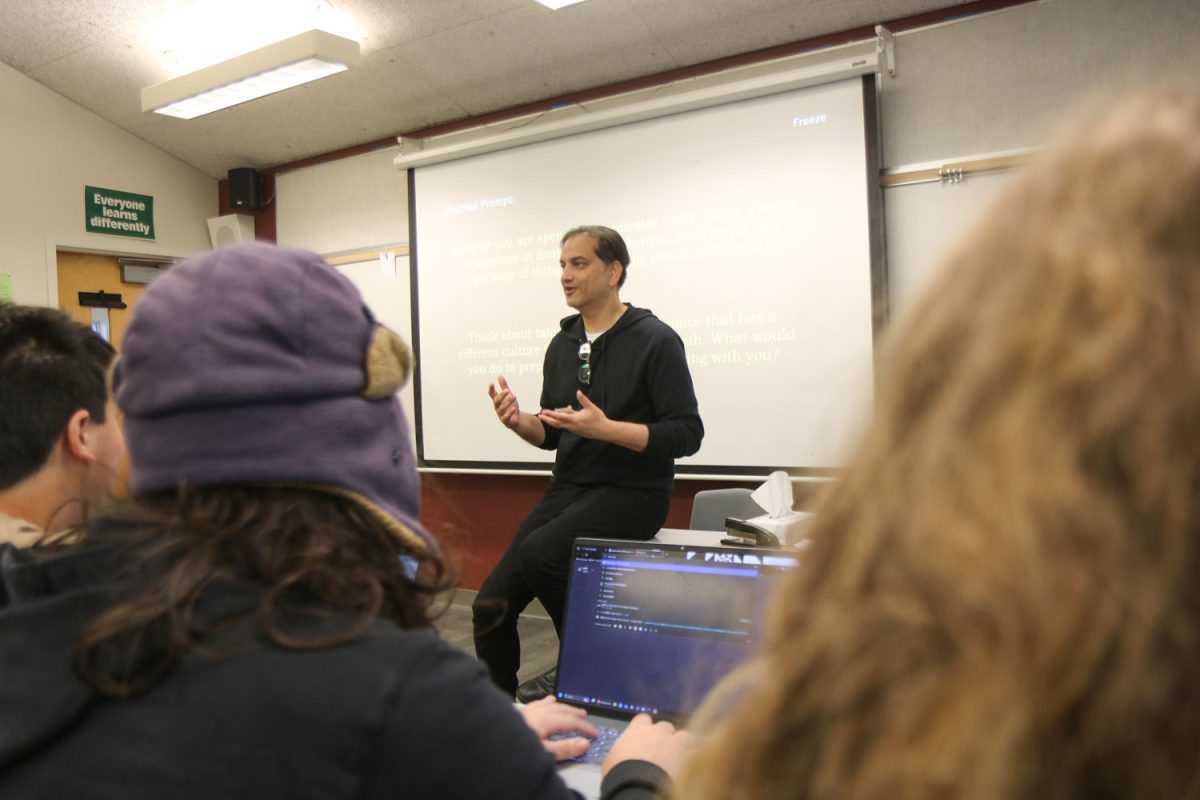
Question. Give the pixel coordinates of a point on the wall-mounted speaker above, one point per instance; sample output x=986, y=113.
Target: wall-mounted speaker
x=245, y=189
x=231, y=228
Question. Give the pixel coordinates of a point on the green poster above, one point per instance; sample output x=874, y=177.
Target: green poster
x=118, y=213
x=5, y=287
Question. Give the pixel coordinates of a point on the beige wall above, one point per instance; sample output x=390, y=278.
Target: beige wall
x=350, y=204
x=50, y=149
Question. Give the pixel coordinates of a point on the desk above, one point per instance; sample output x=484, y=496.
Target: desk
x=709, y=538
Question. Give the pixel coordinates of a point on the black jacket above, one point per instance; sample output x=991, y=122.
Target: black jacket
x=391, y=714
x=639, y=374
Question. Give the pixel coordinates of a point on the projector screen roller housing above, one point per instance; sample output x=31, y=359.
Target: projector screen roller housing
x=752, y=230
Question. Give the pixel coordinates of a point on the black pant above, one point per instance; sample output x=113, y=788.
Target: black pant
x=536, y=562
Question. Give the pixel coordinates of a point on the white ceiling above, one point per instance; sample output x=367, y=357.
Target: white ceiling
x=425, y=62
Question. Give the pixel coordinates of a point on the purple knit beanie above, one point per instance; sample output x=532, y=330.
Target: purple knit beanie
x=257, y=364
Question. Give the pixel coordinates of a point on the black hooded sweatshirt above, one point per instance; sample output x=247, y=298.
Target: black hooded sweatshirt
x=639, y=374
x=392, y=713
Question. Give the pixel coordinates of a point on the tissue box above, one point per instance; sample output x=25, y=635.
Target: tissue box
x=789, y=529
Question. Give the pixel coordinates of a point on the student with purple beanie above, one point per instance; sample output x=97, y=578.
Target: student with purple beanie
x=257, y=622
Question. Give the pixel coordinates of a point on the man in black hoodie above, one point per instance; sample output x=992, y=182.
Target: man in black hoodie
x=618, y=406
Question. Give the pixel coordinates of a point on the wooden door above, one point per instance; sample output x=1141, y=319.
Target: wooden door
x=90, y=272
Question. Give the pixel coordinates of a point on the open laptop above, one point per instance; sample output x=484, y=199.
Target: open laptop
x=653, y=627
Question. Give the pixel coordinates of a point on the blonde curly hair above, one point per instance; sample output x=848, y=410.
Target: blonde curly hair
x=1002, y=598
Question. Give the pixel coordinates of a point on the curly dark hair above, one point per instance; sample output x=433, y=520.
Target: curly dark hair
x=301, y=555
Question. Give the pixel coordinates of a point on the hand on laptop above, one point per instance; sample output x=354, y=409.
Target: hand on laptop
x=548, y=717
x=657, y=742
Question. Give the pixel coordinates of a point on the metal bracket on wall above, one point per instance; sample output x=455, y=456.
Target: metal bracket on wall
x=410, y=146
x=951, y=174
x=885, y=45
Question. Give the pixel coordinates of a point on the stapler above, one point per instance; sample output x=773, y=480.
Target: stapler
x=747, y=534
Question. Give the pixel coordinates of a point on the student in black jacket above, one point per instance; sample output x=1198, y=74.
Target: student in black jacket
x=618, y=408
x=258, y=622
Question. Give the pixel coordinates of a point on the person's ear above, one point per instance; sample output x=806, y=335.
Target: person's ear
x=614, y=274
x=78, y=435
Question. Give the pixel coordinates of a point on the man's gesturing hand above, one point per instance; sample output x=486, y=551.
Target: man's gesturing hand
x=505, y=403
x=589, y=421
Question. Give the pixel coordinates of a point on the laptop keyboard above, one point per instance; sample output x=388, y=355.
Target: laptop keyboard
x=598, y=750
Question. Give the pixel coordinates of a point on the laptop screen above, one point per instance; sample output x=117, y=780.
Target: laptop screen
x=653, y=627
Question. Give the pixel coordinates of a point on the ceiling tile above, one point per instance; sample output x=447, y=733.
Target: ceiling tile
x=534, y=53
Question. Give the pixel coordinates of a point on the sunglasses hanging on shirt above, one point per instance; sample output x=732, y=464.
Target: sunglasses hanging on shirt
x=585, y=369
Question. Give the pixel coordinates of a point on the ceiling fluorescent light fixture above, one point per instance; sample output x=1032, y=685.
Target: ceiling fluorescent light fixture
x=300, y=59
x=557, y=4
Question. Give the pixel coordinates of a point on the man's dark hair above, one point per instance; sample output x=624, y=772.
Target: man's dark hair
x=50, y=367
x=610, y=246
